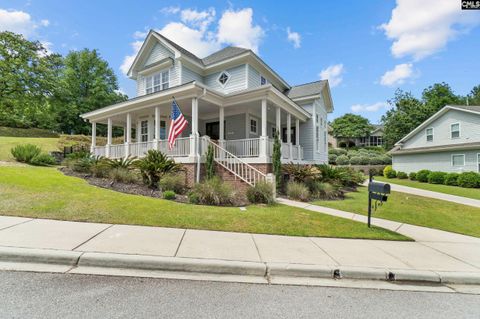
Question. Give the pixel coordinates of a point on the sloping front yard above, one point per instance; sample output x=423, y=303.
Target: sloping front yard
x=47, y=193
x=414, y=210
x=446, y=189
x=47, y=144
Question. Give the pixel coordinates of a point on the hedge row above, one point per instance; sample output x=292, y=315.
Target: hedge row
x=338, y=156
x=465, y=179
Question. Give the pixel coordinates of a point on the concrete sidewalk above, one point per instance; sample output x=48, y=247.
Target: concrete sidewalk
x=86, y=247
x=436, y=195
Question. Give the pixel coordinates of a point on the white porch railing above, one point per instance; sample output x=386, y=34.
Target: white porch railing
x=181, y=148
x=285, y=151
x=117, y=150
x=249, y=147
x=297, y=152
x=99, y=151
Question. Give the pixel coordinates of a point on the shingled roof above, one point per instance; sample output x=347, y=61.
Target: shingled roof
x=306, y=89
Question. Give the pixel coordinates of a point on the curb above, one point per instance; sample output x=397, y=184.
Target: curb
x=74, y=259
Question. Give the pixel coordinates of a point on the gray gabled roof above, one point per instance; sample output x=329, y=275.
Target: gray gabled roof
x=179, y=48
x=223, y=54
x=306, y=89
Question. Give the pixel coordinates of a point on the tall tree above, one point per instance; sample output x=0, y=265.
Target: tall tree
x=438, y=95
x=87, y=83
x=28, y=77
x=351, y=126
x=474, y=96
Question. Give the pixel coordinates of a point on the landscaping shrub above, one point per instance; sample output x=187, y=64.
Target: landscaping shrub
x=343, y=176
x=332, y=158
x=469, y=180
x=210, y=163
x=81, y=165
x=343, y=160
x=422, y=175
x=170, y=195
x=123, y=175
x=25, y=153
x=99, y=167
x=154, y=166
x=298, y=191
x=389, y=172
x=43, y=159
x=212, y=192
x=277, y=160
x=297, y=172
x=326, y=191
x=337, y=151
x=172, y=182
x=402, y=175
x=261, y=193
x=451, y=179
x=437, y=177
x=375, y=160
x=387, y=160
x=359, y=160
x=125, y=163
x=412, y=176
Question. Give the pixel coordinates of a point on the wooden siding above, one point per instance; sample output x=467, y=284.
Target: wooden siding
x=158, y=52
x=253, y=77
x=189, y=76
x=235, y=83
x=438, y=161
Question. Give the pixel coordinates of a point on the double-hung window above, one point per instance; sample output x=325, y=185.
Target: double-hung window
x=144, y=131
x=253, y=126
x=458, y=160
x=455, y=130
x=429, y=133
x=157, y=82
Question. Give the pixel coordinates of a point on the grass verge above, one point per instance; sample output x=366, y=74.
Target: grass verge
x=46, y=193
x=47, y=144
x=415, y=210
x=473, y=193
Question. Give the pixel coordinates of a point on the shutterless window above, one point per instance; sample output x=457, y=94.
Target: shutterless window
x=429, y=132
x=163, y=129
x=253, y=126
x=455, y=130
x=263, y=81
x=144, y=131
x=157, y=82
x=458, y=160
x=223, y=78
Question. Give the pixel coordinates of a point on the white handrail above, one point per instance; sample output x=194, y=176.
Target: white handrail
x=236, y=166
x=248, y=147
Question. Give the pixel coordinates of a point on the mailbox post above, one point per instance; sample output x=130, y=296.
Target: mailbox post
x=376, y=191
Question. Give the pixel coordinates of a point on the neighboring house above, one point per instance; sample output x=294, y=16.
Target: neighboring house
x=232, y=100
x=332, y=141
x=375, y=138
x=449, y=141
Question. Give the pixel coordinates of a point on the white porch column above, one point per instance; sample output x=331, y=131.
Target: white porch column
x=138, y=131
x=289, y=134
x=221, y=119
x=297, y=138
x=157, y=127
x=128, y=135
x=151, y=128
x=109, y=137
x=264, y=136
x=278, y=122
x=94, y=138
x=194, y=135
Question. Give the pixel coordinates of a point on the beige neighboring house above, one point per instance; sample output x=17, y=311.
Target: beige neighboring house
x=375, y=138
x=233, y=101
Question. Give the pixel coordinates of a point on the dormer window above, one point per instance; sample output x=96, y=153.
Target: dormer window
x=223, y=78
x=157, y=82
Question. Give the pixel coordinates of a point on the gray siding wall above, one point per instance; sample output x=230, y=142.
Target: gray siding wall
x=312, y=150
x=189, y=76
x=307, y=135
x=234, y=126
x=236, y=82
x=158, y=52
x=469, y=130
x=253, y=77
x=440, y=161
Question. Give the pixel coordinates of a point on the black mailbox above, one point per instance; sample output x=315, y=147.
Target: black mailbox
x=379, y=188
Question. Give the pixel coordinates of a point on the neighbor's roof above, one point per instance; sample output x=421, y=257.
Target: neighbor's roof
x=465, y=108
x=439, y=148
x=306, y=89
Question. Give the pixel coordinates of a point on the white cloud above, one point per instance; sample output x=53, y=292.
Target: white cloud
x=398, y=75
x=236, y=28
x=19, y=22
x=294, y=37
x=197, y=32
x=358, y=108
x=422, y=28
x=333, y=73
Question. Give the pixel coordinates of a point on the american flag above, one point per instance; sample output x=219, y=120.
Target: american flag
x=177, y=124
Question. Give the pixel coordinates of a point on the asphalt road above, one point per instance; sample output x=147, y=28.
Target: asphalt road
x=41, y=295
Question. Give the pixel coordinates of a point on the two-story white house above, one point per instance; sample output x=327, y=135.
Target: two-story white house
x=449, y=141
x=232, y=100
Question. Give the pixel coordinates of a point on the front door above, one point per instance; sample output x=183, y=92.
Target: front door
x=292, y=135
x=213, y=130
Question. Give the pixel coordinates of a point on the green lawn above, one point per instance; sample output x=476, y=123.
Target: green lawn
x=47, y=193
x=452, y=190
x=7, y=143
x=415, y=210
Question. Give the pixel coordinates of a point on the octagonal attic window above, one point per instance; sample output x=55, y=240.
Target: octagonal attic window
x=223, y=78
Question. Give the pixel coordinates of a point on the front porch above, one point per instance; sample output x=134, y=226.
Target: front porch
x=244, y=124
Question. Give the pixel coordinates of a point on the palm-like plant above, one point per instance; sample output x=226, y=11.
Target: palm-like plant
x=124, y=163
x=154, y=166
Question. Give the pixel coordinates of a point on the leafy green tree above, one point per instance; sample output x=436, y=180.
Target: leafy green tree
x=28, y=78
x=351, y=126
x=87, y=83
x=474, y=96
x=438, y=95
x=277, y=160
x=210, y=163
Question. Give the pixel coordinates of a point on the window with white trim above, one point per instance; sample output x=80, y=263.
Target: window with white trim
x=157, y=82
x=163, y=129
x=253, y=126
x=455, y=130
x=458, y=160
x=144, y=131
x=274, y=131
x=263, y=80
x=429, y=133
x=223, y=78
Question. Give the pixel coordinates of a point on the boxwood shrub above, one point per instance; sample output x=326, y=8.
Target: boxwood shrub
x=389, y=172
x=451, y=179
x=422, y=175
x=437, y=177
x=332, y=158
x=469, y=180
x=402, y=175
x=412, y=176
x=343, y=160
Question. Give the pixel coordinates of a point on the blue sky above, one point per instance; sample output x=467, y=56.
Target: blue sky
x=367, y=49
